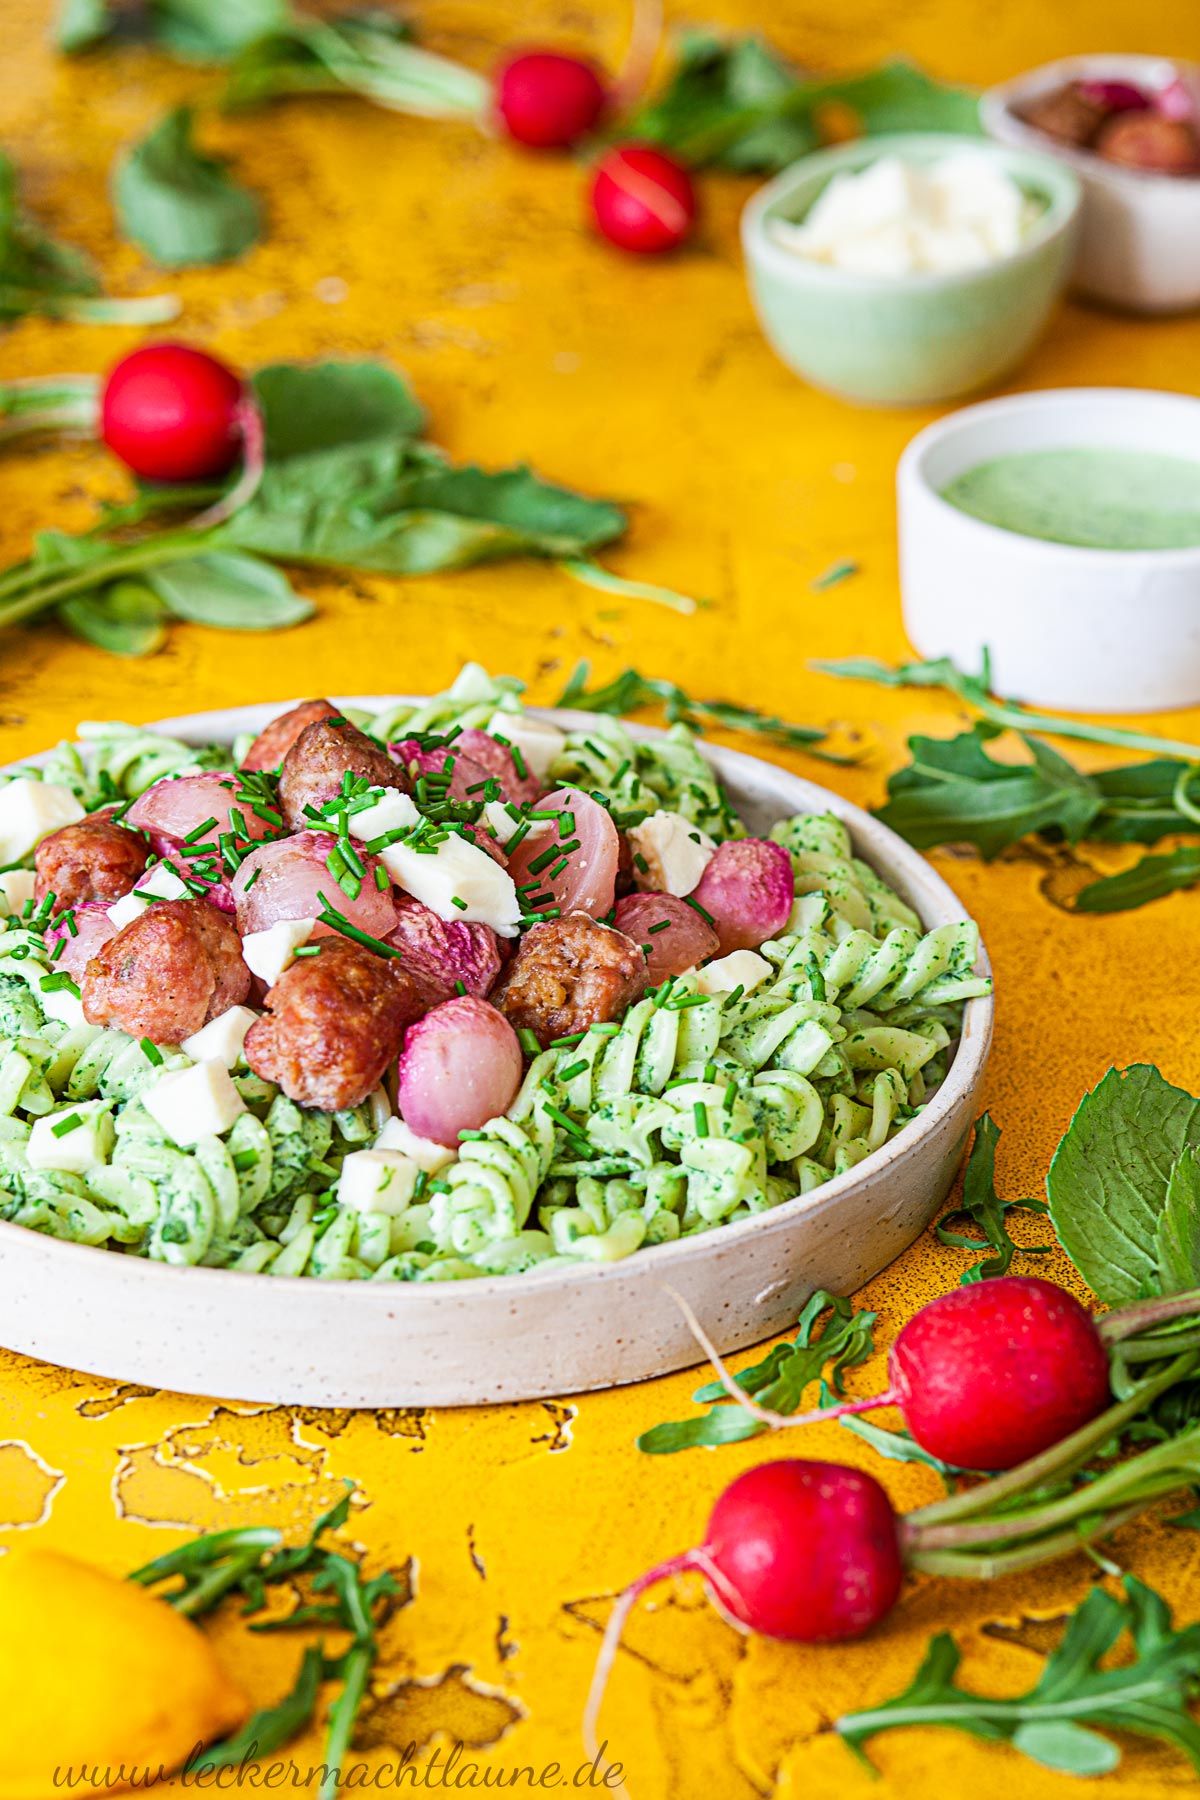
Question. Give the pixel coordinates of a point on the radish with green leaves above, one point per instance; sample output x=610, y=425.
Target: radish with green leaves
x=643, y=200
x=172, y=413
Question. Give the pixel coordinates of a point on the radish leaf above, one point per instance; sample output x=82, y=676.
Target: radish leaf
x=1110, y=1177
x=179, y=205
x=321, y=406
x=125, y=619
x=1052, y=1723
x=1177, y=1241
x=236, y=593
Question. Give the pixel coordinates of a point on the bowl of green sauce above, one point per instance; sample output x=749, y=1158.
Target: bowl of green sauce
x=1060, y=533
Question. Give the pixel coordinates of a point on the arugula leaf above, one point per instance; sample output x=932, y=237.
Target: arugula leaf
x=777, y=1382
x=1053, y=1723
x=233, y=592
x=179, y=205
x=82, y=24
x=213, y=30
x=322, y=406
x=363, y=52
x=1153, y=878
x=735, y=104
x=953, y=792
x=1177, y=1240
x=983, y=1207
x=632, y=690
x=125, y=619
x=1109, y=1179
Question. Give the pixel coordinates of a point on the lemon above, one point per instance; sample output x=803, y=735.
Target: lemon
x=95, y=1670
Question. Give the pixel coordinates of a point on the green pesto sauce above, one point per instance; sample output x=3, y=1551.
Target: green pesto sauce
x=1104, y=499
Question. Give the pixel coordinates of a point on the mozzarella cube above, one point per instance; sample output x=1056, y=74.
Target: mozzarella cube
x=161, y=883
x=458, y=871
x=538, y=742
x=377, y=1181
x=30, y=811
x=17, y=886
x=393, y=811
x=222, y=1039
x=741, y=968
x=497, y=815
x=268, y=953
x=427, y=1155
x=675, y=852
x=61, y=1004
x=194, y=1103
x=86, y=1143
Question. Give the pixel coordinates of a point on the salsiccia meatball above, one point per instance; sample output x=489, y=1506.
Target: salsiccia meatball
x=334, y=1024
x=276, y=739
x=167, y=973
x=1066, y=114
x=568, y=974
x=94, y=860
x=1145, y=140
x=314, y=766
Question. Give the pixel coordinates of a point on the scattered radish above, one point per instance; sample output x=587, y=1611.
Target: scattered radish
x=450, y=773
x=672, y=933
x=572, y=856
x=499, y=761
x=1115, y=96
x=986, y=1376
x=286, y=878
x=747, y=890
x=172, y=810
x=643, y=200
x=461, y=1066
x=548, y=100
x=92, y=929
x=443, y=953
x=172, y=413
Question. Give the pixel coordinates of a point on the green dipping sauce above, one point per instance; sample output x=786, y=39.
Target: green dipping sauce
x=1103, y=499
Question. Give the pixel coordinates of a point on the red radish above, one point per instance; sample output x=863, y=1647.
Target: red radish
x=175, y=414
x=466, y=777
x=747, y=890
x=461, y=1066
x=285, y=879
x=809, y=1552
x=986, y=1376
x=671, y=932
x=548, y=100
x=93, y=928
x=445, y=953
x=571, y=857
x=643, y=200
x=498, y=760
x=172, y=810
x=1114, y=96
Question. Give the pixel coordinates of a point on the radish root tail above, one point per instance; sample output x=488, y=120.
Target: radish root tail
x=764, y=1414
x=627, y=1600
x=250, y=426
x=645, y=35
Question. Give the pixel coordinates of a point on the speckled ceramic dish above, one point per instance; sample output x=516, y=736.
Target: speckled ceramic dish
x=362, y=1343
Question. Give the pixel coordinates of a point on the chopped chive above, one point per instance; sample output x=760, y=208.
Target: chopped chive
x=72, y=1122
x=838, y=571
x=461, y=904
x=151, y=1052
x=421, y=1183
x=567, y=1043
x=244, y=1160
x=307, y=950
x=690, y=900
x=199, y=831
x=528, y=1041
x=382, y=881
x=469, y=1137
x=604, y=1028
x=60, y=983
x=663, y=925
x=700, y=1114
x=733, y=998
x=340, y=923
x=576, y=1068
x=254, y=875
x=640, y=863
x=514, y=751
x=730, y=1097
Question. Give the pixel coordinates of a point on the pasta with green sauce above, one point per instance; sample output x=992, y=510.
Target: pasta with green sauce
x=694, y=1110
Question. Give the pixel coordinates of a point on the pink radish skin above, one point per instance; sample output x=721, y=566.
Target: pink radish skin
x=465, y=772
x=808, y=1552
x=461, y=1066
x=747, y=890
x=687, y=940
x=643, y=200
x=291, y=877
x=588, y=882
x=498, y=760
x=93, y=928
x=172, y=808
x=986, y=1376
x=171, y=413
x=1115, y=96
x=442, y=952
x=548, y=101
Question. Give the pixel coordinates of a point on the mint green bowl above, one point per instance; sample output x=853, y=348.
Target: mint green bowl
x=919, y=338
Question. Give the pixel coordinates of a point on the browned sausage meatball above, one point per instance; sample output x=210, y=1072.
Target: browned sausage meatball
x=1144, y=140
x=276, y=739
x=314, y=766
x=167, y=973
x=94, y=860
x=333, y=1025
x=1065, y=114
x=568, y=974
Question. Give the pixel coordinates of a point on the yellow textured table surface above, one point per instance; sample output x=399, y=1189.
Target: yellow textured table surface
x=469, y=265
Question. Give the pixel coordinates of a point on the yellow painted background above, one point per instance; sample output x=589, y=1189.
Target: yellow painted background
x=469, y=265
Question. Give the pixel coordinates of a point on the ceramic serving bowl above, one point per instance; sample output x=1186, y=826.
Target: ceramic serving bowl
x=1139, y=239
x=1092, y=630
x=365, y=1344
x=921, y=338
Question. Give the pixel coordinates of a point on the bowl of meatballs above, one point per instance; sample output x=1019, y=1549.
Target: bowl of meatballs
x=501, y=1024
x=1129, y=126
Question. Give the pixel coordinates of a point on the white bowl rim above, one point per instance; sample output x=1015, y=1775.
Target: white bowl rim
x=1001, y=101
x=758, y=243
x=913, y=457
x=964, y=1072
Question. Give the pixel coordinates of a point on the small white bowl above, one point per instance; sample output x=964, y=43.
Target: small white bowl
x=1066, y=626
x=1139, y=246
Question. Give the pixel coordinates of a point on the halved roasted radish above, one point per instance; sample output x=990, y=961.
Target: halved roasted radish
x=569, y=858
x=673, y=934
x=461, y=1066
x=747, y=890
x=286, y=879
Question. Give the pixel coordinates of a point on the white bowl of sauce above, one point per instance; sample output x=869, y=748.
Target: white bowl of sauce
x=1060, y=532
